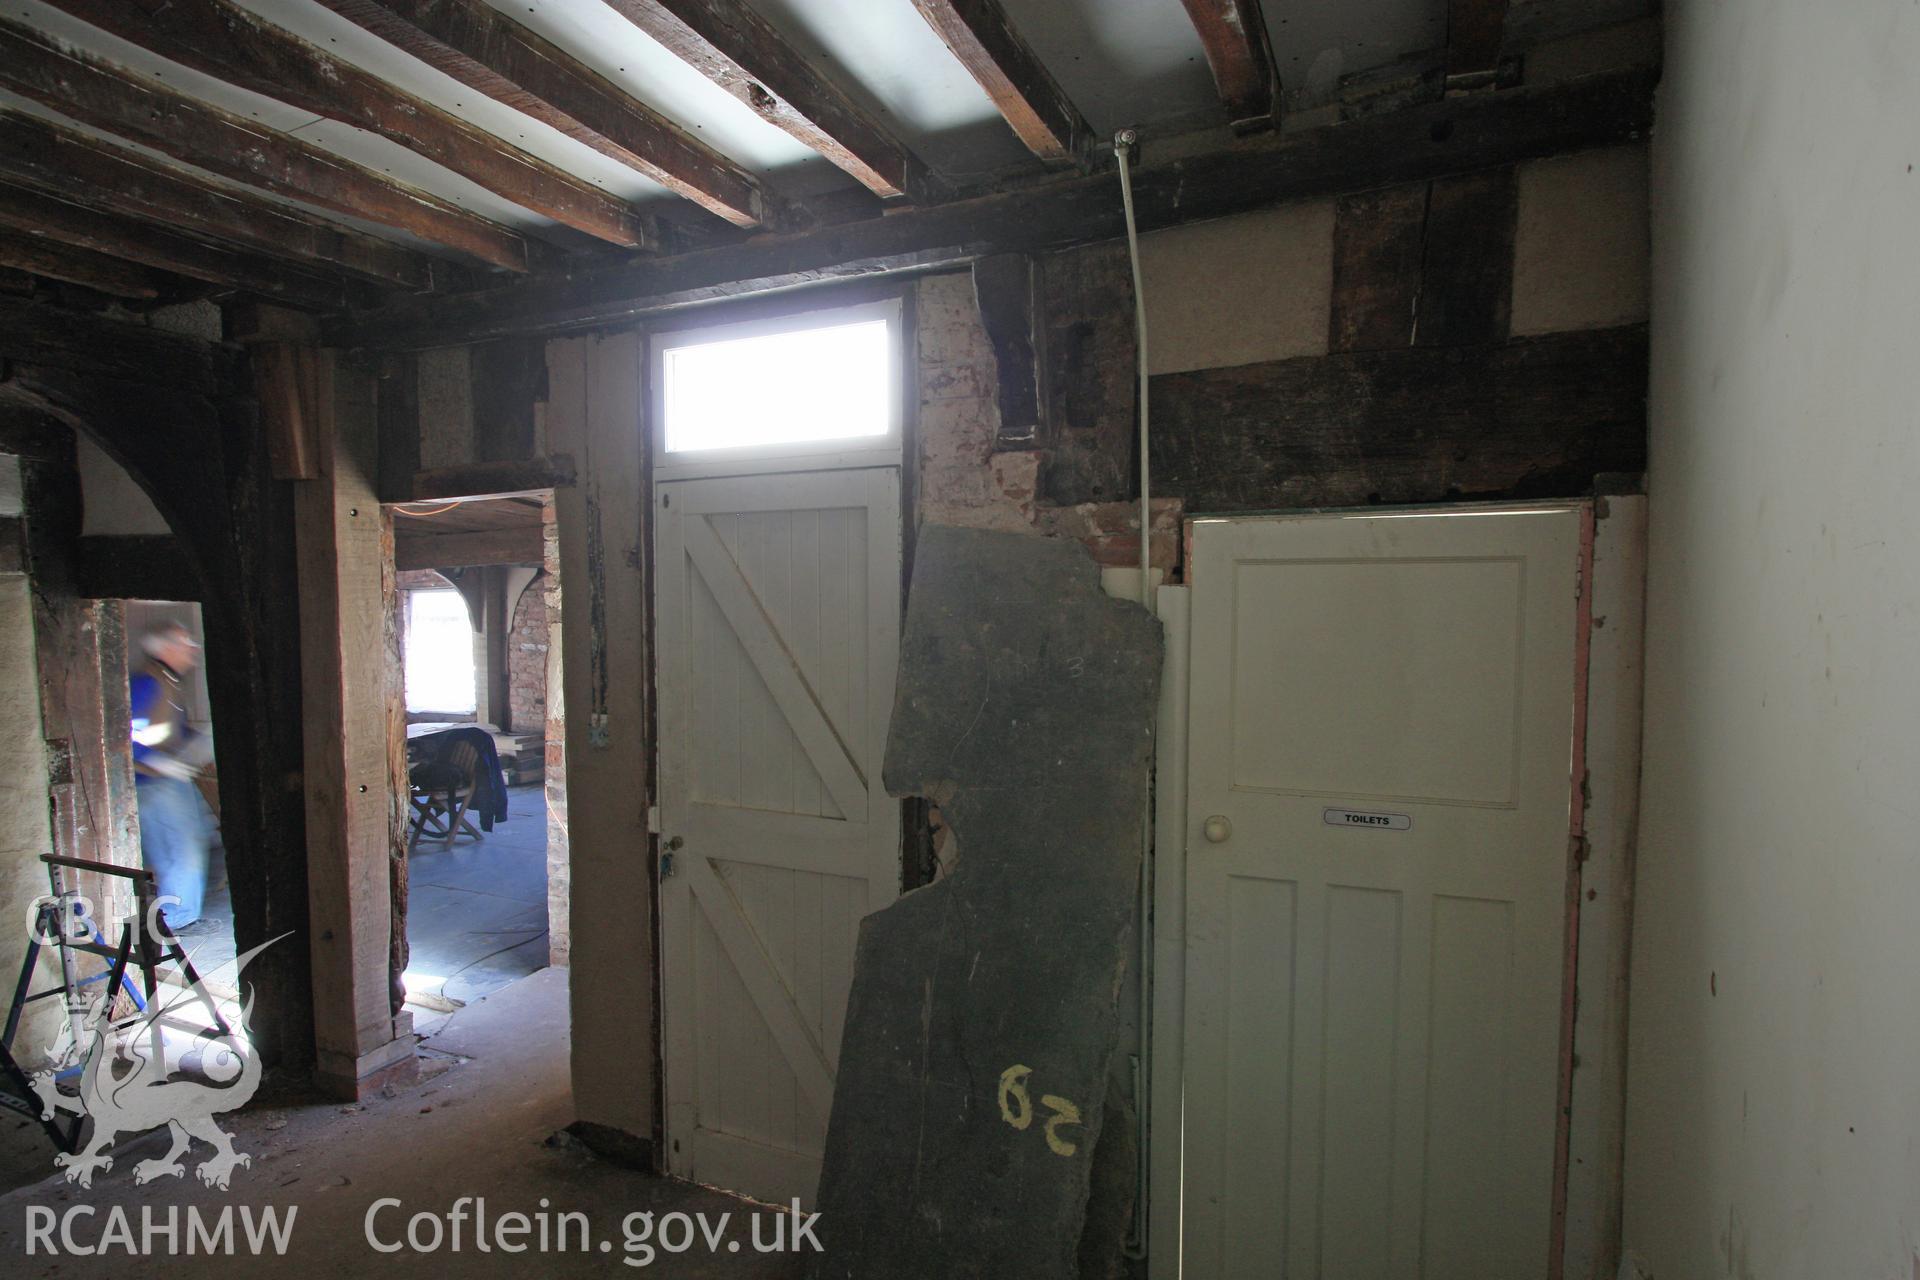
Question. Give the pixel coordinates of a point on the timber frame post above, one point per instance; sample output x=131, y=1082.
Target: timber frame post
x=344, y=546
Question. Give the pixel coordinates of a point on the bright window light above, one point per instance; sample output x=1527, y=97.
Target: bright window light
x=439, y=653
x=827, y=383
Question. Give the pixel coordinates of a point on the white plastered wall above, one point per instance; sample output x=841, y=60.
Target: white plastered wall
x=1773, y=1107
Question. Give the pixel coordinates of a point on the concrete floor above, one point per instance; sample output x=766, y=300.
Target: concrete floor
x=483, y=1126
x=476, y=911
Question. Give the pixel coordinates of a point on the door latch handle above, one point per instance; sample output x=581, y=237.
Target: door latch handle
x=667, y=867
x=1217, y=829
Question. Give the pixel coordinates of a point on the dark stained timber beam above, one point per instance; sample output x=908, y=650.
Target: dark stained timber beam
x=1456, y=135
x=1003, y=286
x=62, y=162
x=145, y=111
x=223, y=40
x=56, y=261
x=518, y=545
x=1533, y=418
x=1234, y=35
x=60, y=222
x=484, y=49
x=978, y=33
x=51, y=345
x=135, y=567
x=1475, y=29
x=737, y=49
x=511, y=478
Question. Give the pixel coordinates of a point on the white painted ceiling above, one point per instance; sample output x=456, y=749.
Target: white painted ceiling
x=1124, y=63
x=1314, y=45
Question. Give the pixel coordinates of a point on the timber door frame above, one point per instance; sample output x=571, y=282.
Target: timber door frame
x=1609, y=645
x=895, y=455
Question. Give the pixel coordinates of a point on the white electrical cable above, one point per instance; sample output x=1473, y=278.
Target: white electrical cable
x=1122, y=142
x=1143, y=1066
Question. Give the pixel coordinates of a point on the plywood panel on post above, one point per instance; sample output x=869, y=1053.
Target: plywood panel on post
x=345, y=579
x=593, y=414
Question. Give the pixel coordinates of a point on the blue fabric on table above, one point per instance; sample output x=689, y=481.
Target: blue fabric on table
x=490, y=798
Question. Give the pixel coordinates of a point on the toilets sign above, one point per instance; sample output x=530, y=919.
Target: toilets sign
x=1360, y=819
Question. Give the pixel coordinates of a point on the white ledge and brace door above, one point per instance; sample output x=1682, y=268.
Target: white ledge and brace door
x=778, y=623
x=1382, y=717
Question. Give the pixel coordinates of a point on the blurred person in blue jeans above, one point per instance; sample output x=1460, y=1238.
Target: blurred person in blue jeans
x=167, y=754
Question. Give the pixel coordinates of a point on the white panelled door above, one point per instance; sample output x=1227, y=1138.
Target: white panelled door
x=778, y=620
x=1381, y=728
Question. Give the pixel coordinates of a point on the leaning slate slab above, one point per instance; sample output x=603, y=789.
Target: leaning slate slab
x=984, y=1010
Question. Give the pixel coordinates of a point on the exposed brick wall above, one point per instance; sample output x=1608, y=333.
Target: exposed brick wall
x=559, y=866
x=527, y=661
x=963, y=481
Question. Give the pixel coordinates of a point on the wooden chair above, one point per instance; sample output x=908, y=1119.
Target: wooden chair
x=442, y=791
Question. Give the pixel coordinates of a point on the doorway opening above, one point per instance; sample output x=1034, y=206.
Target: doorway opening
x=483, y=895
x=778, y=545
x=111, y=711
x=209, y=937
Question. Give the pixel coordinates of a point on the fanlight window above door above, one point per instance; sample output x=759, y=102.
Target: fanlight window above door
x=821, y=388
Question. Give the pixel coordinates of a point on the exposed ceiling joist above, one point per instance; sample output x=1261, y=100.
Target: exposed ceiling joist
x=1038, y=109
x=1234, y=35
x=488, y=51
x=61, y=222
x=56, y=261
x=1456, y=135
x=221, y=39
x=741, y=52
x=64, y=163
x=108, y=98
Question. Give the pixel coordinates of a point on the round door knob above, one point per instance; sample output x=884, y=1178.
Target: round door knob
x=1217, y=828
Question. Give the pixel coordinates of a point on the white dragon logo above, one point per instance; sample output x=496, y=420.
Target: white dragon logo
x=148, y=1095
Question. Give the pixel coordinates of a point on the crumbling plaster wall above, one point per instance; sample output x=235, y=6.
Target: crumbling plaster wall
x=24, y=833
x=1248, y=291
x=1773, y=1125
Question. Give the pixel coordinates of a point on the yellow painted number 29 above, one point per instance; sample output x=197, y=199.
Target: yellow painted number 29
x=1016, y=1108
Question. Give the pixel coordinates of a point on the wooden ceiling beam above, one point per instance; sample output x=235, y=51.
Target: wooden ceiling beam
x=978, y=33
x=740, y=51
x=145, y=111
x=55, y=261
x=1234, y=35
x=484, y=49
x=61, y=222
x=223, y=40
x=62, y=162
x=1455, y=135
x=415, y=548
